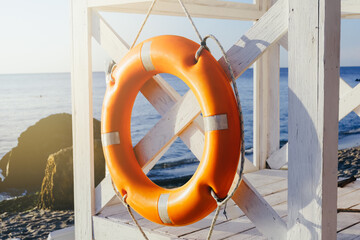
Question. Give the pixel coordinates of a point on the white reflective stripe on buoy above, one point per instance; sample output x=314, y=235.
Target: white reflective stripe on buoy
x=216, y=122
x=146, y=57
x=162, y=208
x=110, y=138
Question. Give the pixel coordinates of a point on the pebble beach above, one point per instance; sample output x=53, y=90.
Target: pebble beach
x=33, y=224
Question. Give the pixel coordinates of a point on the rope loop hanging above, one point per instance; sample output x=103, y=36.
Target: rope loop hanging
x=149, y=12
x=220, y=202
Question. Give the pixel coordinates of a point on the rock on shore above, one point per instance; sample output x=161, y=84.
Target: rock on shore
x=24, y=166
x=57, y=190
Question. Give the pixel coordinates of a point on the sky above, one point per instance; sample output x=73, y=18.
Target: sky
x=35, y=35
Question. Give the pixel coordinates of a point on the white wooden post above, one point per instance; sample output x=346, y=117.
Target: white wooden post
x=314, y=36
x=266, y=122
x=82, y=125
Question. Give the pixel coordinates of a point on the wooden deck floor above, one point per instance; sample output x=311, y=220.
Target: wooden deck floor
x=272, y=184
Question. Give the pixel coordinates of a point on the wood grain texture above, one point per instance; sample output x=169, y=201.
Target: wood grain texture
x=166, y=130
x=350, y=9
x=108, y=229
x=82, y=120
x=197, y=8
x=279, y=158
x=314, y=37
x=267, y=221
x=349, y=99
x=266, y=118
x=263, y=34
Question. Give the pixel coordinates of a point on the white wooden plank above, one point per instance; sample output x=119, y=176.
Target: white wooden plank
x=279, y=158
x=106, y=229
x=346, y=219
x=104, y=194
x=314, y=36
x=349, y=102
x=229, y=228
x=167, y=129
x=284, y=41
x=266, y=118
x=266, y=176
x=63, y=234
x=233, y=212
x=198, y=8
x=273, y=188
x=108, y=38
x=248, y=235
x=349, y=200
x=267, y=221
x=266, y=32
x=346, y=89
x=224, y=230
x=350, y=9
x=351, y=233
x=82, y=120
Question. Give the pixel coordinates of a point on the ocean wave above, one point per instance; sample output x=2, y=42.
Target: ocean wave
x=2, y=176
x=352, y=131
x=249, y=151
x=11, y=195
x=175, y=164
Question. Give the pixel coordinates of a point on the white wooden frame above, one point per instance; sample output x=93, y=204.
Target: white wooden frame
x=261, y=40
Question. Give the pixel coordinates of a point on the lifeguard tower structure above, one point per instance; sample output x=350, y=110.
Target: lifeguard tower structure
x=298, y=203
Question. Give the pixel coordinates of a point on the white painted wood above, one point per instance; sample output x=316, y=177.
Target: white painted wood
x=278, y=158
x=349, y=97
x=344, y=88
x=346, y=219
x=314, y=37
x=104, y=194
x=82, y=120
x=349, y=200
x=105, y=229
x=349, y=101
x=63, y=234
x=284, y=41
x=267, y=221
x=266, y=181
x=167, y=129
x=350, y=9
x=351, y=233
x=107, y=38
x=197, y=8
x=266, y=32
x=266, y=118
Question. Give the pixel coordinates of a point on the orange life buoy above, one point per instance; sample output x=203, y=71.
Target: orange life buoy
x=208, y=81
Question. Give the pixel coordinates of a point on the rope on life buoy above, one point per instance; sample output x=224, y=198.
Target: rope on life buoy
x=220, y=202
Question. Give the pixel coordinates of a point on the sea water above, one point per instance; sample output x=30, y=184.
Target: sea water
x=26, y=98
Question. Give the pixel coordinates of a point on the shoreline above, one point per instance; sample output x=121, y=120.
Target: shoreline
x=37, y=223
